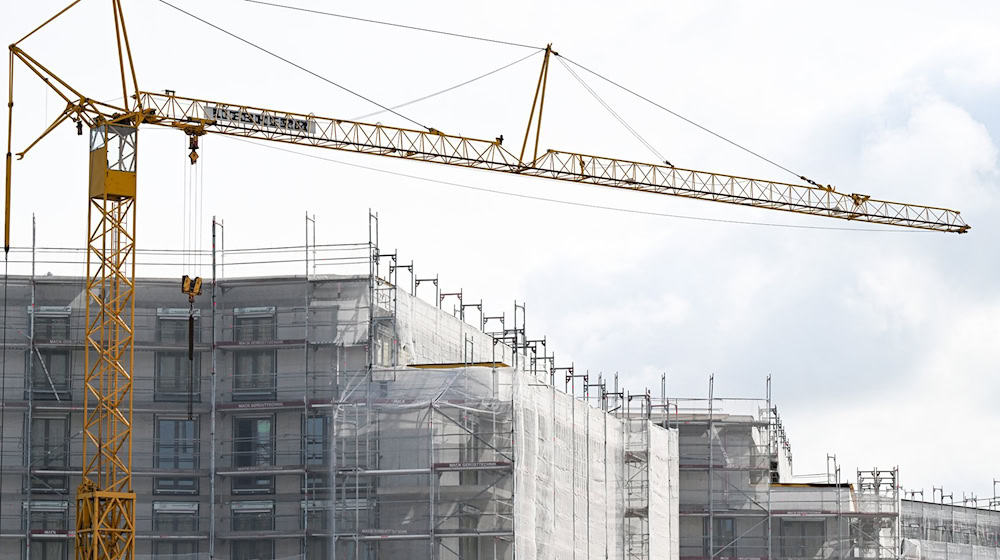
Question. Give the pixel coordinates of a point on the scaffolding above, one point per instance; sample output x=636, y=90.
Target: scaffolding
x=947, y=531
x=336, y=416
x=739, y=499
x=636, y=544
x=326, y=415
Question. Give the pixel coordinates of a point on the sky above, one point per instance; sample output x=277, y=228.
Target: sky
x=881, y=342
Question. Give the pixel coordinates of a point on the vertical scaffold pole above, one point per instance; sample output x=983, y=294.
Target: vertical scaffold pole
x=212, y=438
x=31, y=391
x=711, y=471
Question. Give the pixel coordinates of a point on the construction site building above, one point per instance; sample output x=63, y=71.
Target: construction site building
x=341, y=416
x=940, y=531
x=328, y=416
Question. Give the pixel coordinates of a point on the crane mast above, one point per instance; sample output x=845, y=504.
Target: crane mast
x=105, y=500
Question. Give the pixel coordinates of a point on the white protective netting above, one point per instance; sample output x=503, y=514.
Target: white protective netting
x=569, y=479
x=945, y=532
x=664, y=494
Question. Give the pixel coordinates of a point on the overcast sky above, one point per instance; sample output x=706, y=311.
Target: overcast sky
x=882, y=344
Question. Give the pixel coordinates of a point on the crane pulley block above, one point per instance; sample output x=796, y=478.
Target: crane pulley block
x=191, y=286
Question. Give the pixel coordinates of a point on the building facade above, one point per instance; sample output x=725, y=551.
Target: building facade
x=325, y=417
x=328, y=416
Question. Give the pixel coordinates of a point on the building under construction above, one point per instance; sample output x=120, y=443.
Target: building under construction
x=337, y=414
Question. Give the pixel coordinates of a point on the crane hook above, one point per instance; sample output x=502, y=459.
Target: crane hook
x=193, y=145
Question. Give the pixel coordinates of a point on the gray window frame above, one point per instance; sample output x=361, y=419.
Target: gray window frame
x=44, y=328
x=255, y=327
x=235, y=546
x=181, y=392
x=251, y=457
x=171, y=549
x=172, y=520
x=251, y=517
x=253, y=383
x=315, y=447
x=51, y=442
x=37, y=381
x=177, y=331
x=175, y=484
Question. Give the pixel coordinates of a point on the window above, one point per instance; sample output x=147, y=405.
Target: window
x=802, y=539
x=49, y=376
x=316, y=440
x=48, y=549
x=253, y=446
x=48, y=516
x=468, y=522
x=175, y=518
x=257, y=549
x=187, y=485
x=724, y=535
x=316, y=548
x=172, y=326
x=255, y=377
x=176, y=447
x=171, y=550
x=51, y=328
x=49, y=452
x=176, y=444
x=318, y=513
x=253, y=516
x=172, y=379
x=254, y=328
x=315, y=452
x=118, y=141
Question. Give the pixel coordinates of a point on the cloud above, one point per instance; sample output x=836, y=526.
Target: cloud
x=938, y=145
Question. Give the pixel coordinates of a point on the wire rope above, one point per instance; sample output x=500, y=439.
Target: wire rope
x=567, y=59
x=295, y=64
x=687, y=120
x=399, y=25
x=451, y=88
x=656, y=153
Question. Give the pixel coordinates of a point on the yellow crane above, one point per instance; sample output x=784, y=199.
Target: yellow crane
x=105, y=500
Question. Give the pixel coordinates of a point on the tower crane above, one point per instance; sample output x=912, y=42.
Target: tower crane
x=105, y=499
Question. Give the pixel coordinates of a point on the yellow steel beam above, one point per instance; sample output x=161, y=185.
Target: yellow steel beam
x=105, y=522
x=202, y=116
x=543, y=79
x=9, y=163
